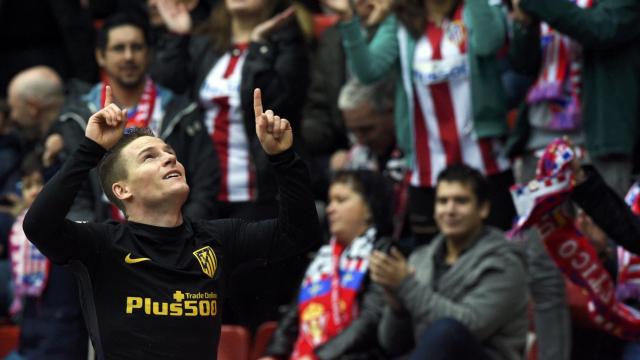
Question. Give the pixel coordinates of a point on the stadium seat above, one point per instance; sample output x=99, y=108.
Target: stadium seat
x=9, y=335
x=235, y=342
x=263, y=336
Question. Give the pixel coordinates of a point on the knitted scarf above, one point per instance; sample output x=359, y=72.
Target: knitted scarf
x=558, y=84
x=327, y=301
x=539, y=206
x=29, y=268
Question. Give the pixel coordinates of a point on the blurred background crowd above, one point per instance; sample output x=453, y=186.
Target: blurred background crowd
x=415, y=118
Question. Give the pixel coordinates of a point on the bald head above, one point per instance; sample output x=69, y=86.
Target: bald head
x=35, y=96
x=39, y=82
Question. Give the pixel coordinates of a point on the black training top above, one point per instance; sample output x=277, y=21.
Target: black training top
x=151, y=292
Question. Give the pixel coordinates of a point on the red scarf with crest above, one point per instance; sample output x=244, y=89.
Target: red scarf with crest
x=540, y=206
x=327, y=300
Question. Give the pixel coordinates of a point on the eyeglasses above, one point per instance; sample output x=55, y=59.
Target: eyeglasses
x=121, y=48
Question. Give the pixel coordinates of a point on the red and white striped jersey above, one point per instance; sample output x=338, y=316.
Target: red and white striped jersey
x=443, y=132
x=220, y=97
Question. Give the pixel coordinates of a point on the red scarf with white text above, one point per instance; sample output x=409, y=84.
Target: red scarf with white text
x=539, y=205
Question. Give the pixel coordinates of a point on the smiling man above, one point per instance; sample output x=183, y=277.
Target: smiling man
x=123, y=53
x=151, y=286
x=464, y=295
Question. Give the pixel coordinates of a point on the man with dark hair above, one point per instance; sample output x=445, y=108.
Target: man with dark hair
x=112, y=168
x=464, y=295
x=123, y=54
x=151, y=286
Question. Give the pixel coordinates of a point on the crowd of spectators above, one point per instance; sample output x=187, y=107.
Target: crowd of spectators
x=415, y=117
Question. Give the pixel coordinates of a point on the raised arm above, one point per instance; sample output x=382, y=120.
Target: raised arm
x=172, y=66
x=45, y=224
x=296, y=229
x=277, y=63
x=369, y=62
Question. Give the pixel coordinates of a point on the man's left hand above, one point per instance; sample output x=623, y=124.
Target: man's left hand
x=274, y=133
x=388, y=270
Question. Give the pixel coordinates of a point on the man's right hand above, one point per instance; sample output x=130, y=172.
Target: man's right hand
x=106, y=126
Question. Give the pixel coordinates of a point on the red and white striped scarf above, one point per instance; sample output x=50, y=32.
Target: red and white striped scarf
x=559, y=83
x=29, y=268
x=142, y=114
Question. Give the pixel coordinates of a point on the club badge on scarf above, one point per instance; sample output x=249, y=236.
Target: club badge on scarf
x=539, y=206
x=327, y=300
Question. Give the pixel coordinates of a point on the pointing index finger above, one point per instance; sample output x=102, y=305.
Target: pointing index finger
x=257, y=102
x=107, y=97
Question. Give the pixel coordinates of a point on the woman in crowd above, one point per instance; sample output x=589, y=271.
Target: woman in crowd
x=338, y=308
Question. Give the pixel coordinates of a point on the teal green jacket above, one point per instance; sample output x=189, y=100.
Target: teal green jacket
x=392, y=49
x=609, y=33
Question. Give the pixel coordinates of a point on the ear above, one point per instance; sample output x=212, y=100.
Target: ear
x=100, y=57
x=485, y=209
x=121, y=190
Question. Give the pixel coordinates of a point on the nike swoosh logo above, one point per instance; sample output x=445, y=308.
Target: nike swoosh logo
x=129, y=260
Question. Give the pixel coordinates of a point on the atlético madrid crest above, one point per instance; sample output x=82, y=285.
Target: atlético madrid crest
x=207, y=259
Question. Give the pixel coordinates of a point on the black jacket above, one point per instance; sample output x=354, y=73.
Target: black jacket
x=182, y=128
x=323, y=127
x=278, y=67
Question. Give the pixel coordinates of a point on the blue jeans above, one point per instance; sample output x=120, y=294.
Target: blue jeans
x=448, y=339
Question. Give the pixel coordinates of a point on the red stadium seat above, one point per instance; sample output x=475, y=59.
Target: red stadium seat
x=235, y=342
x=9, y=335
x=263, y=336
